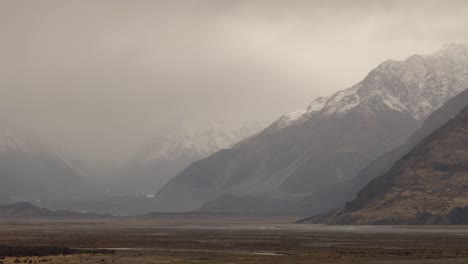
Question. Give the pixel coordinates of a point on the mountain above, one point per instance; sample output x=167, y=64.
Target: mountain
x=168, y=155
x=329, y=142
x=25, y=209
x=427, y=186
x=22, y=209
x=338, y=194
x=29, y=171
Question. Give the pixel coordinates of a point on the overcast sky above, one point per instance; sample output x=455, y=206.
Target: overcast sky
x=102, y=76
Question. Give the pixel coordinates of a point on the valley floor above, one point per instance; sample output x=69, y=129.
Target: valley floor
x=155, y=241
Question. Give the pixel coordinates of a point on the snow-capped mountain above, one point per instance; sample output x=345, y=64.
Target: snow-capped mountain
x=416, y=86
x=300, y=115
x=167, y=155
x=321, y=201
x=328, y=142
x=196, y=145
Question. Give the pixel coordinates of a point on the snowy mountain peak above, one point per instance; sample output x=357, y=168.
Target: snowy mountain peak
x=317, y=104
x=416, y=86
x=290, y=118
x=301, y=114
x=197, y=144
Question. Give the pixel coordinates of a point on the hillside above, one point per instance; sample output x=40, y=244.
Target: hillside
x=28, y=210
x=338, y=194
x=166, y=155
x=427, y=186
x=30, y=171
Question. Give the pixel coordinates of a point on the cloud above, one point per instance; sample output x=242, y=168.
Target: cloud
x=103, y=76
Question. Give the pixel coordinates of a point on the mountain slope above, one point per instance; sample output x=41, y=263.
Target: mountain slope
x=31, y=172
x=25, y=209
x=168, y=155
x=338, y=194
x=329, y=142
x=427, y=186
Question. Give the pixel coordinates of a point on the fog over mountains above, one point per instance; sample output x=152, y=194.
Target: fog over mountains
x=166, y=155
x=329, y=142
x=308, y=161
x=32, y=171
x=103, y=78
x=334, y=112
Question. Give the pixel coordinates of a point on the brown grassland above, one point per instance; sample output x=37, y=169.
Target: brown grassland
x=170, y=240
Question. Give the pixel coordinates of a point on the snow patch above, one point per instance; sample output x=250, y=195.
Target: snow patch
x=416, y=86
x=184, y=144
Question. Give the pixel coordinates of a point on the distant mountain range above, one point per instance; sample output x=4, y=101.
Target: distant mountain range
x=28, y=210
x=166, y=155
x=329, y=142
x=29, y=171
x=397, y=139
x=35, y=172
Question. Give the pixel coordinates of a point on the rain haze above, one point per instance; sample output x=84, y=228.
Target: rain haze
x=234, y=131
x=102, y=77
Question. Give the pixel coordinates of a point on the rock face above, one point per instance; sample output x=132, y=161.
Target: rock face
x=329, y=142
x=427, y=186
x=31, y=172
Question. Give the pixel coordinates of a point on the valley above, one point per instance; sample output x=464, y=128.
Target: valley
x=218, y=240
x=233, y=132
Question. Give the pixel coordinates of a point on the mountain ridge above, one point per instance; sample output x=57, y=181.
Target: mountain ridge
x=302, y=153
x=29, y=210
x=167, y=155
x=339, y=194
x=426, y=186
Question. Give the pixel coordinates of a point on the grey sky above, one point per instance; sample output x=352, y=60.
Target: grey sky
x=102, y=76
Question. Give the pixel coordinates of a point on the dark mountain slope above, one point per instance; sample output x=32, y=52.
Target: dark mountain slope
x=427, y=186
x=28, y=210
x=340, y=193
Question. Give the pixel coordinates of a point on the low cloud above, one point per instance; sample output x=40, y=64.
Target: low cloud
x=102, y=76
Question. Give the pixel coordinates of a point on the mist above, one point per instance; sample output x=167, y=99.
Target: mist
x=233, y=131
x=102, y=77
